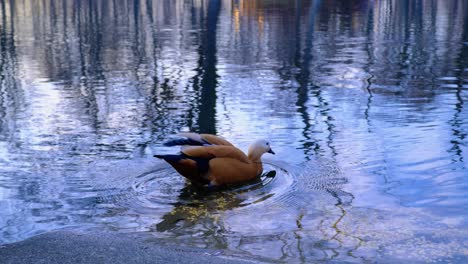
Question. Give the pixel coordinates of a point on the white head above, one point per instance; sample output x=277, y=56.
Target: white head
x=259, y=147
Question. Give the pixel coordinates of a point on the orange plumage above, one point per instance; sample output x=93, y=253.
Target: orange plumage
x=209, y=159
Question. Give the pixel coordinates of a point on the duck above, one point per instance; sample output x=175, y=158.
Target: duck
x=211, y=160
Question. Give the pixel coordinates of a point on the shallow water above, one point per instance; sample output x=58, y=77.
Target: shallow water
x=363, y=102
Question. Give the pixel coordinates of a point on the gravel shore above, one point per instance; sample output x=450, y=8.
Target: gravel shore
x=79, y=247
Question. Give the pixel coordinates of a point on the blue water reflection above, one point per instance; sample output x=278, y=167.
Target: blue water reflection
x=362, y=100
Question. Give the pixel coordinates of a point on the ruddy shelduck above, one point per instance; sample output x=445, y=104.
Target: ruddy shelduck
x=211, y=160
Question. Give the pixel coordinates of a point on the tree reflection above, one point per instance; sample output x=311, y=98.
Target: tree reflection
x=456, y=122
x=206, y=79
x=303, y=62
x=8, y=70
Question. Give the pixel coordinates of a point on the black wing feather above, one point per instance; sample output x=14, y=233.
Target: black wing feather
x=202, y=164
x=185, y=141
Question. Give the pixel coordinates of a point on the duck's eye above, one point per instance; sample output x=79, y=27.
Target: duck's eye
x=268, y=144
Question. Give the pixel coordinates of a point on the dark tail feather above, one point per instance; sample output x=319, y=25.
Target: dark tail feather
x=170, y=158
x=202, y=164
x=184, y=141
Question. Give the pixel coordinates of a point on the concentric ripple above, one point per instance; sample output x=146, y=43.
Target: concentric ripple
x=156, y=187
x=164, y=186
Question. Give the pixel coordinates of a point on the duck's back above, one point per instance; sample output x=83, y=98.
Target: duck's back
x=211, y=152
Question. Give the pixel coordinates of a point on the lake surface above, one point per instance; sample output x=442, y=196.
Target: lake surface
x=363, y=102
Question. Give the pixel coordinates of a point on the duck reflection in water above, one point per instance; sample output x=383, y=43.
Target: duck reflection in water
x=197, y=202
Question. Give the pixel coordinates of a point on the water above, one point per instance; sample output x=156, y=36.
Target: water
x=363, y=102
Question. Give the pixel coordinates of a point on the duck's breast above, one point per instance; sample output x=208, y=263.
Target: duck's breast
x=228, y=171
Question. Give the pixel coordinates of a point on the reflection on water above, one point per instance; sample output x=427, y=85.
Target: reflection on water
x=363, y=101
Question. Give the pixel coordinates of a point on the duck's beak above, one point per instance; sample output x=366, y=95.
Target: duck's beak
x=271, y=151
